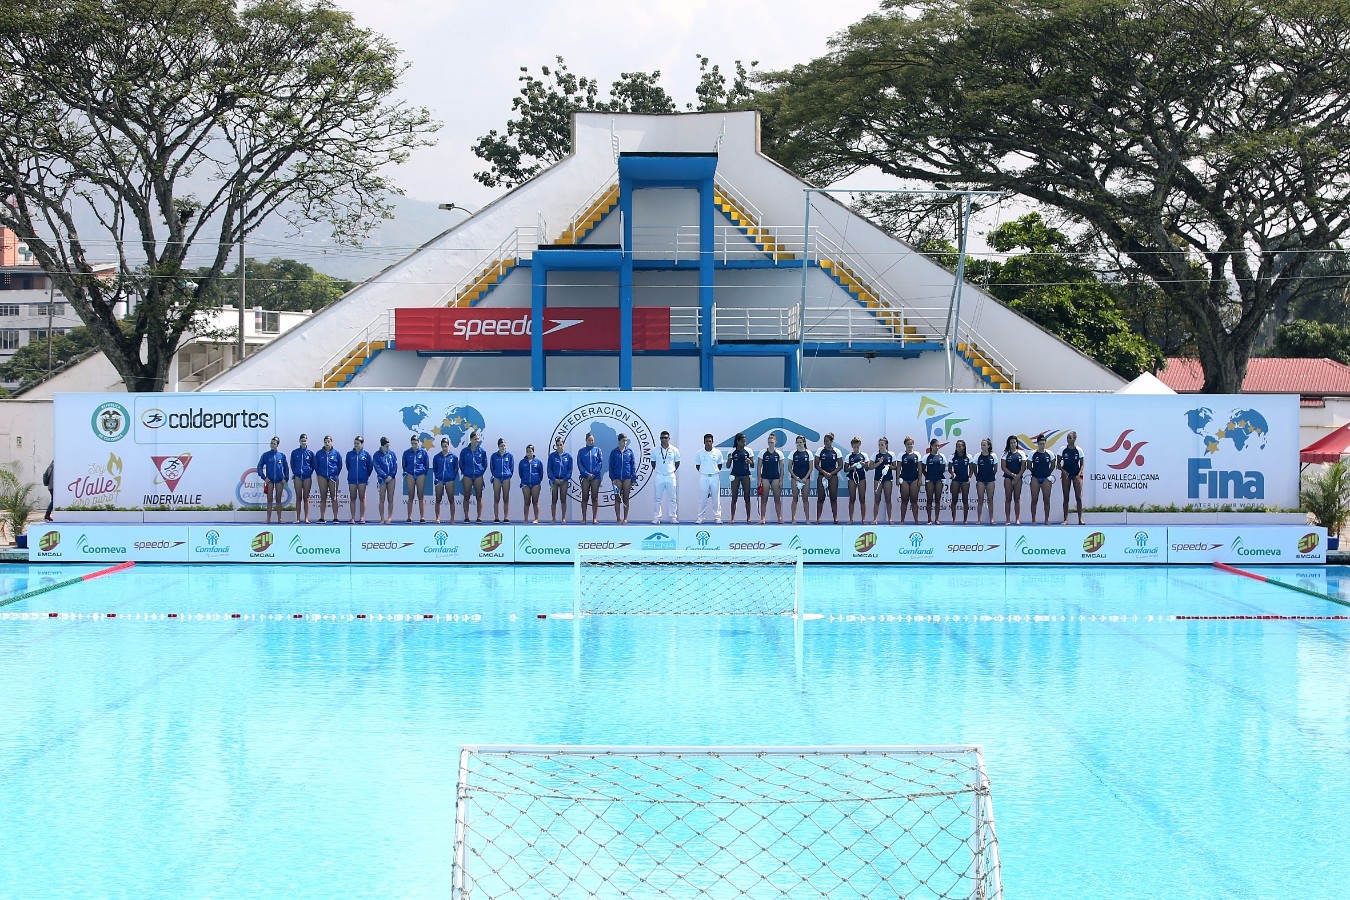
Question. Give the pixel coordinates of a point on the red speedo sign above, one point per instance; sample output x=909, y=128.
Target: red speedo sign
x=508, y=328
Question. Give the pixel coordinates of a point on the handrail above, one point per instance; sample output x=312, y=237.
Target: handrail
x=513, y=247
x=755, y=323
x=850, y=324
x=729, y=189
x=971, y=336
x=380, y=328
x=681, y=242
x=586, y=205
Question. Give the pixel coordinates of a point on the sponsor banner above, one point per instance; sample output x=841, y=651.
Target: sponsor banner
x=433, y=543
x=160, y=450
x=109, y=543
x=924, y=544
x=493, y=329
x=1080, y=544
x=269, y=543
x=1247, y=546
x=559, y=543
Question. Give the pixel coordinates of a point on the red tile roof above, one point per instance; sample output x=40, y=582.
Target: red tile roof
x=1268, y=375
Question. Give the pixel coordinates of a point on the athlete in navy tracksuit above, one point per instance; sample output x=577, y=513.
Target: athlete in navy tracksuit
x=274, y=472
x=445, y=472
x=415, y=466
x=559, y=476
x=302, y=470
x=386, y=479
x=327, y=467
x=503, y=466
x=591, y=468
x=531, y=477
x=472, y=464
x=622, y=471
x=359, y=469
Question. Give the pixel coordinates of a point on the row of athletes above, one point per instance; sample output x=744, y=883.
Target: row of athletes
x=446, y=469
x=828, y=464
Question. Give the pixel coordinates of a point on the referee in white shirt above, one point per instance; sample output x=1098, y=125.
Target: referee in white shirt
x=709, y=464
x=665, y=463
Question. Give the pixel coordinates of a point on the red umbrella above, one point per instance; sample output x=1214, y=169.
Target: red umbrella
x=1329, y=448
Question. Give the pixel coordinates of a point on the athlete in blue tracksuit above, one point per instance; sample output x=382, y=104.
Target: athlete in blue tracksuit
x=359, y=469
x=590, y=468
x=302, y=471
x=327, y=467
x=416, y=463
x=386, y=478
x=274, y=472
x=622, y=471
x=445, y=472
x=531, y=477
x=559, y=476
x=503, y=467
x=472, y=465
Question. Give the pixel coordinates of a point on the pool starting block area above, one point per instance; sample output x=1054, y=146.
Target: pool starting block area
x=559, y=544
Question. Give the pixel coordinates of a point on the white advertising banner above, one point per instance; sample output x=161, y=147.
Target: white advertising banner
x=922, y=544
x=109, y=543
x=270, y=543
x=1246, y=545
x=200, y=451
x=428, y=543
x=1075, y=544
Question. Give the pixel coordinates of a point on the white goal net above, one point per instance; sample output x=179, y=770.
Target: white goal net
x=691, y=822
x=706, y=583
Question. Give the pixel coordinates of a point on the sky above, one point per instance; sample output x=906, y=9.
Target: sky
x=464, y=58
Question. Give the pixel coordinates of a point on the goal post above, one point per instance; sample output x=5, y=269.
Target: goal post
x=691, y=582
x=726, y=822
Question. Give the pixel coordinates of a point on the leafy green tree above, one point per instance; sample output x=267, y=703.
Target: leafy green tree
x=539, y=132
x=29, y=364
x=182, y=124
x=1204, y=139
x=1312, y=340
x=279, y=284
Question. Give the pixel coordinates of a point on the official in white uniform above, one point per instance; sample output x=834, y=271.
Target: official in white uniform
x=665, y=463
x=709, y=463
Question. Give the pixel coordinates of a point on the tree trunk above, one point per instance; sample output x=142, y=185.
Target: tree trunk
x=1223, y=363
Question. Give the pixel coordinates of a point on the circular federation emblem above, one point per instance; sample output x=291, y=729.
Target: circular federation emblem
x=606, y=421
x=110, y=421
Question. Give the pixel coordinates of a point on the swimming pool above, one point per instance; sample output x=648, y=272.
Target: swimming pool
x=1130, y=754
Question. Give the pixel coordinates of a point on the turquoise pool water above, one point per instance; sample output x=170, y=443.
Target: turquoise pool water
x=275, y=757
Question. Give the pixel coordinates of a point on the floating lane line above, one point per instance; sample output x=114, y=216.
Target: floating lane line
x=90, y=576
x=1233, y=570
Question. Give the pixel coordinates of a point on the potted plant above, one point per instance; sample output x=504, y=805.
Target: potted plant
x=17, y=504
x=1324, y=495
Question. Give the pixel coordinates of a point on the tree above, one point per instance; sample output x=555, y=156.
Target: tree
x=1312, y=340
x=1049, y=285
x=279, y=284
x=182, y=124
x=539, y=133
x=1205, y=139
x=29, y=364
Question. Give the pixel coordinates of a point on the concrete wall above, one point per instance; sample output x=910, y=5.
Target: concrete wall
x=26, y=439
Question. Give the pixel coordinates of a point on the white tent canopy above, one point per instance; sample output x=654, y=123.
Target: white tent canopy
x=1146, y=383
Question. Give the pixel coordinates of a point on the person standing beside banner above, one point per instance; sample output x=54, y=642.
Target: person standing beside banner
x=591, y=467
x=274, y=472
x=445, y=475
x=531, y=477
x=472, y=464
x=741, y=461
x=415, y=465
x=934, y=477
x=855, y=473
x=1013, y=464
x=771, y=480
x=359, y=468
x=1071, y=475
x=559, y=476
x=959, y=467
x=302, y=470
x=327, y=468
x=800, y=471
x=883, y=480
x=1042, y=476
x=386, y=477
x=709, y=465
x=503, y=466
x=829, y=462
x=986, y=475
x=909, y=465
x=665, y=464
x=622, y=472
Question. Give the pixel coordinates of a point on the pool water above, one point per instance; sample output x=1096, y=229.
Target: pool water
x=1130, y=754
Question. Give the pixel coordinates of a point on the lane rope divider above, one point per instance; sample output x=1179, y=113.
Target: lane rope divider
x=1233, y=570
x=122, y=566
